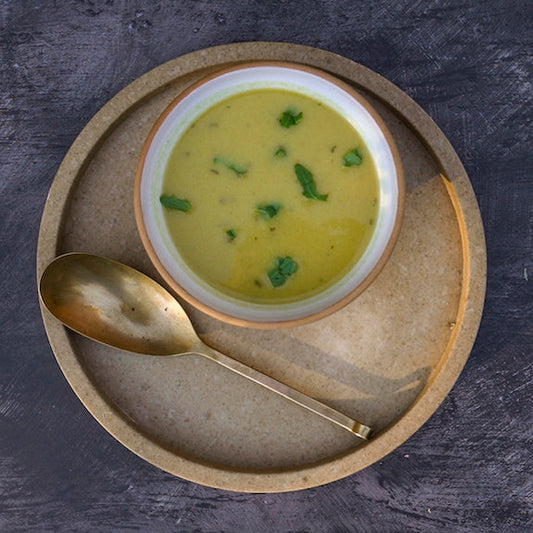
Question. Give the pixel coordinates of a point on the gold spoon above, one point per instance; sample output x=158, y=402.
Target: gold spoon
x=118, y=306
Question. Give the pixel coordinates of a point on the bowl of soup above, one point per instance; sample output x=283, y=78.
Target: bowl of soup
x=269, y=194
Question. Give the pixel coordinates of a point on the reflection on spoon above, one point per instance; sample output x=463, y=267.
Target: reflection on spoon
x=118, y=306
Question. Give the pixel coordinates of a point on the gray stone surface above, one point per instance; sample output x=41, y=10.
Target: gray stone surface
x=469, y=469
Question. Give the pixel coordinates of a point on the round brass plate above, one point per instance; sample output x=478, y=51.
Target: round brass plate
x=389, y=358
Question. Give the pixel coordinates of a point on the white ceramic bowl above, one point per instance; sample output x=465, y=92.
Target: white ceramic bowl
x=175, y=121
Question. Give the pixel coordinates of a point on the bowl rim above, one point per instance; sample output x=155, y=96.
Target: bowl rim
x=283, y=323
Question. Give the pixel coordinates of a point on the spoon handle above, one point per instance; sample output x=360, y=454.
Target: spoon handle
x=357, y=428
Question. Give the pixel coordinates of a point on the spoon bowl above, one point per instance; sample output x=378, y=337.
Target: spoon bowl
x=116, y=305
x=119, y=306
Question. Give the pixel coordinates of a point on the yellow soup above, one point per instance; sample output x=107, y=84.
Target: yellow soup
x=270, y=196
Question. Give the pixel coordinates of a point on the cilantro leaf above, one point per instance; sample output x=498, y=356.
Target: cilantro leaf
x=175, y=203
x=353, y=157
x=307, y=181
x=290, y=118
x=269, y=210
x=231, y=165
x=285, y=267
x=276, y=277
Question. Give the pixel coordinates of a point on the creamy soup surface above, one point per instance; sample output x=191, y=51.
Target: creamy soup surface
x=270, y=196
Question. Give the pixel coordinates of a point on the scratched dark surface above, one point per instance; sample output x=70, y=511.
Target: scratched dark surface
x=469, y=469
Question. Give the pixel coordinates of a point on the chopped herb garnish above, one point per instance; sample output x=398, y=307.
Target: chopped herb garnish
x=268, y=210
x=289, y=118
x=285, y=267
x=353, y=157
x=175, y=203
x=276, y=277
x=231, y=233
x=307, y=181
x=238, y=169
x=280, y=152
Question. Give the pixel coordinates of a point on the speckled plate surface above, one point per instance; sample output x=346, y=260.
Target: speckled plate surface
x=388, y=359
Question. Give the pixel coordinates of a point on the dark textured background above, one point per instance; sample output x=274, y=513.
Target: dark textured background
x=469, y=469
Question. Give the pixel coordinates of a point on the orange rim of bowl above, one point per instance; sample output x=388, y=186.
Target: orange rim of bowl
x=215, y=313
